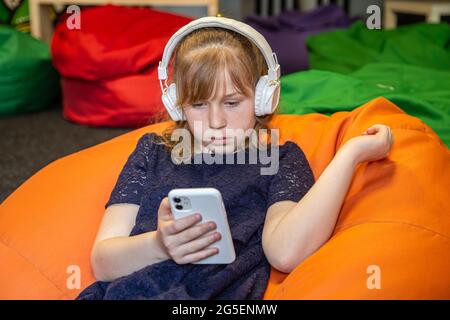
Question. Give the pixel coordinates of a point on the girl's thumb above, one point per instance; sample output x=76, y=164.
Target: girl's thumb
x=371, y=130
x=164, y=211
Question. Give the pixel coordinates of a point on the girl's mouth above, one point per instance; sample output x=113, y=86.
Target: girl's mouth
x=221, y=140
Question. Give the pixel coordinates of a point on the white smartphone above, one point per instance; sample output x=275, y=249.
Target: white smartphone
x=208, y=202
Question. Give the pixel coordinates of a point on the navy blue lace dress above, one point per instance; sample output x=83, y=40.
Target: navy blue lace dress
x=149, y=175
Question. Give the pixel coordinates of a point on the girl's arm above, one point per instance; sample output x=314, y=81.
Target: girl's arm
x=115, y=253
x=293, y=231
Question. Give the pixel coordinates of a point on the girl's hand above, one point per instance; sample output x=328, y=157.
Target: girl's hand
x=374, y=144
x=181, y=239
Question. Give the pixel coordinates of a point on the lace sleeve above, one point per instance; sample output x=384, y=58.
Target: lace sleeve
x=294, y=177
x=134, y=176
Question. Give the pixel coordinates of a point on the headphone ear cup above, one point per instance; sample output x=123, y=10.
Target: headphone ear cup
x=274, y=92
x=169, y=98
x=259, y=92
x=266, y=97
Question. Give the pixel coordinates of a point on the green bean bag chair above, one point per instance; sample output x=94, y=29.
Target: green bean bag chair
x=28, y=80
x=345, y=51
x=16, y=14
x=409, y=65
x=421, y=92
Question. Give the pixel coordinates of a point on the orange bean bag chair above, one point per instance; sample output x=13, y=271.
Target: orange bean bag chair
x=391, y=241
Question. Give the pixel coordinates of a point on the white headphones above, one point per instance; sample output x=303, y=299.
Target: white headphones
x=266, y=87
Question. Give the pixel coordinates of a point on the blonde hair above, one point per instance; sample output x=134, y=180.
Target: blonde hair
x=198, y=62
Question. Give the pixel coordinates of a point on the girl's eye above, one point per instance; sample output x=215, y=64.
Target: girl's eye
x=198, y=105
x=232, y=103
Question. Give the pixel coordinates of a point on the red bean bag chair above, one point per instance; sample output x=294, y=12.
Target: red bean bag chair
x=109, y=65
x=391, y=241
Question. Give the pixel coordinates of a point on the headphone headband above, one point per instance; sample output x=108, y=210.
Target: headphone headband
x=239, y=27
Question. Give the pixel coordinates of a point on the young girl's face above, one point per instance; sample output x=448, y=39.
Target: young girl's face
x=213, y=118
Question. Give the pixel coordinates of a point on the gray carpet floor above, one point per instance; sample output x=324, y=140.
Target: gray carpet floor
x=30, y=141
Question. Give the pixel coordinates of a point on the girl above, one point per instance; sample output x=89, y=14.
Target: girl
x=141, y=252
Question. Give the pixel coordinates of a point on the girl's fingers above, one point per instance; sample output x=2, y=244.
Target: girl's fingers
x=370, y=130
x=385, y=130
x=182, y=224
x=198, y=244
x=195, y=232
x=194, y=257
x=391, y=137
x=377, y=128
x=388, y=132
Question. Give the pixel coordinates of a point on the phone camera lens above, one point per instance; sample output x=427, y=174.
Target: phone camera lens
x=179, y=206
x=177, y=200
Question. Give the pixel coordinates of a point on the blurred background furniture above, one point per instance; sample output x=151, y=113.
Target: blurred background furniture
x=109, y=67
x=432, y=10
x=28, y=81
x=42, y=28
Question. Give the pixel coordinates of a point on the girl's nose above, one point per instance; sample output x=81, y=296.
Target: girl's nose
x=216, y=117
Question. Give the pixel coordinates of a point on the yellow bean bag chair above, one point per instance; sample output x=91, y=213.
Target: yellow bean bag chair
x=391, y=241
